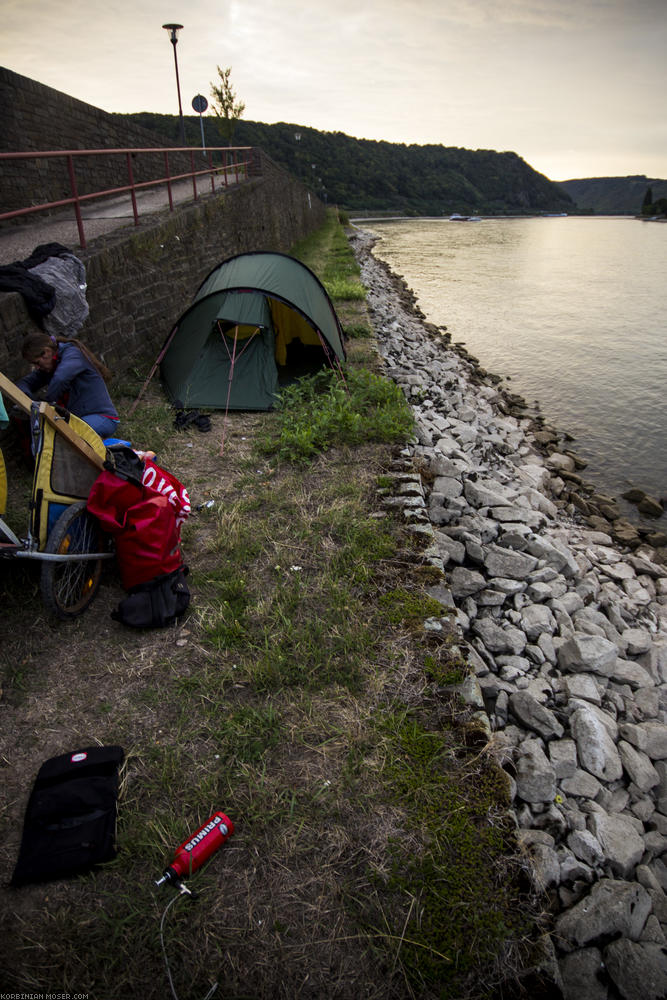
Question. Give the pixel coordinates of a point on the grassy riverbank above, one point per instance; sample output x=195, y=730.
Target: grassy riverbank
x=301, y=695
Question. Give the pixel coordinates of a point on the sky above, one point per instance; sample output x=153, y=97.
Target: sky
x=575, y=87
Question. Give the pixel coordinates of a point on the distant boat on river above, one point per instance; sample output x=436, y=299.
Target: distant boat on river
x=464, y=218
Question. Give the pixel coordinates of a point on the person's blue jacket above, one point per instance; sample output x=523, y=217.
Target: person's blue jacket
x=74, y=382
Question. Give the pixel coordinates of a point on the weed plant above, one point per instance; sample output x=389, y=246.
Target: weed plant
x=331, y=410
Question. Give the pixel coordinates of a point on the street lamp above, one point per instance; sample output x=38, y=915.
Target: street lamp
x=173, y=30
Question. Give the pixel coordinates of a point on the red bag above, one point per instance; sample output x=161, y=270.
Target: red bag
x=144, y=520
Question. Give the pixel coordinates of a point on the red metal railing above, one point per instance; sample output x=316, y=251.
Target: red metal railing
x=232, y=157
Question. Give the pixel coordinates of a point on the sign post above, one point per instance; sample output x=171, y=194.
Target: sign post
x=200, y=104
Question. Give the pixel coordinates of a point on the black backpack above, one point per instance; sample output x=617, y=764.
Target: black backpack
x=157, y=603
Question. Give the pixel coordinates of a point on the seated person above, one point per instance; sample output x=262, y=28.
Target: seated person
x=73, y=377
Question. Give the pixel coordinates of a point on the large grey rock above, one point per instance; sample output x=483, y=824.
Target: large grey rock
x=639, y=970
x=655, y=843
x=602, y=714
x=594, y=622
x=465, y=582
x=563, y=756
x=497, y=639
x=612, y=908
x=535, y=776
x=590, y=653
x=571, y=601
x=536, y=619
x=441, y=466
x=557, y=462
x=638, y=767
x=650, y=737
x=447, y=487
x=583, y=686
x=556, y=554
x=636, y=641
x=653, y=932
x=631, y=673
x=450, y=547
x=581, y=785
x=595, y=748
x=586, y=847
x=507, y=562
x=519, y=515
x=545, y=643
x=655, y=661
x=486, y=493
x=622, y=845
x=530, y=713
x=582, y=975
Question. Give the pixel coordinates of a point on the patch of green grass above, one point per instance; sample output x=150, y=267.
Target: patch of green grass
x=358, y=331
x=463, y=895
x=345, y=289
x=321, y=412
x=445, y=669
x=404, y=607
x=149, y=428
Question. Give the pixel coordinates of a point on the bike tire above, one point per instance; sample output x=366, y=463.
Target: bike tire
x=69, y=587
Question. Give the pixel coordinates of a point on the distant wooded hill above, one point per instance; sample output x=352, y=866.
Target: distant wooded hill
x=364, y=176
x=613, y=195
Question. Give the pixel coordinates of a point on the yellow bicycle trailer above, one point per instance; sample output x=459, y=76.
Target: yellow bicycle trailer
x=61, y=533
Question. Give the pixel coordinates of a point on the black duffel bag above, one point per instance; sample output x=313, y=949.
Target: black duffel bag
x=157, y=603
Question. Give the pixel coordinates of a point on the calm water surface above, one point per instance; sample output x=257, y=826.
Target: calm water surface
x=573, y=311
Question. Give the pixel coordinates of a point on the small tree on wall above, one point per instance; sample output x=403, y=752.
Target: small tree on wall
x=225, y=106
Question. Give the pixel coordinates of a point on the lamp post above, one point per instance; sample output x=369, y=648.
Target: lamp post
x=173, y=30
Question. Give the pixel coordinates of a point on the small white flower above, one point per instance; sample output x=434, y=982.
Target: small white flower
x=296, y=569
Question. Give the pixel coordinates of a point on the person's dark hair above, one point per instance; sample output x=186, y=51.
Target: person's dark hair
x=34, y=344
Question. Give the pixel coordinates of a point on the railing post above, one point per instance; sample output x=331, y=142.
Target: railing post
x=210, y=166
x=75, y=194
x=224, y=166
x=194, y=179
x=133, y=196
x=168, y=177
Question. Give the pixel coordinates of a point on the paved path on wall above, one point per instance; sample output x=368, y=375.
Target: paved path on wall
x=17, y=242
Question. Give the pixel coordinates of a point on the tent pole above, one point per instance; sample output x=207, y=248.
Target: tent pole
x=231, y=376
x=229, y=385
x=335, y=364
x=153, y=370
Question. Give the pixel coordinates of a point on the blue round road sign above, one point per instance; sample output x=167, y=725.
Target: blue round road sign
x=199, y=103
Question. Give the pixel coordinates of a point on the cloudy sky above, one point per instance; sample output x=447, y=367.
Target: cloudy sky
x=575, y=87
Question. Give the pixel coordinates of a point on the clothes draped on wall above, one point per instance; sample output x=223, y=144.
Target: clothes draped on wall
x=52, y=281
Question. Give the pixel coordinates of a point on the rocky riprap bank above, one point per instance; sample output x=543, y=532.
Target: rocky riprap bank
x=566, y=630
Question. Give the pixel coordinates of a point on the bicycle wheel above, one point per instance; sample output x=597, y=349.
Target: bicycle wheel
x=69, y=586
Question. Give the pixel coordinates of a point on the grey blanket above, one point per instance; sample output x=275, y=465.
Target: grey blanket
x=67, y=275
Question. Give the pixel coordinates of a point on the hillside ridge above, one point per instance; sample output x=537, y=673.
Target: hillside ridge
x=363, y=175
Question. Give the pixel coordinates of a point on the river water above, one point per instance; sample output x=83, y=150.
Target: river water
x=572, y=312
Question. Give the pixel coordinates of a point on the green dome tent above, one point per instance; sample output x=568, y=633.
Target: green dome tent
x=249, y=312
